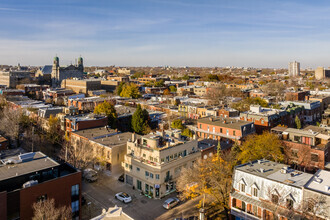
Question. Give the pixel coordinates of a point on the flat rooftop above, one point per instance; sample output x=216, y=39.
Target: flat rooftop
x=13, y=166
x=276, y=171
x=105, y=136
x=320, y=182
x=224, y=122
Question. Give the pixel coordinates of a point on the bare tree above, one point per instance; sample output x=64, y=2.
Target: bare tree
x=46, y=209
x=316, y=206
x=10, y=124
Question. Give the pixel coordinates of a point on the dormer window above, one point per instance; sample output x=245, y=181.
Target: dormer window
x=254, y=192
x=242, y=187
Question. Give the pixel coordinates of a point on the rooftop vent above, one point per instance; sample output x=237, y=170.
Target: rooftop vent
x=285, y=170
x=318, y=180
x=262, y=170
x=327, y=188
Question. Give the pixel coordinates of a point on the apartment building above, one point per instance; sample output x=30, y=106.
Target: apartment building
x=153, y=162
x=82, y=85
x=201, y=90
x=312, y=109
x=85, y=121
x=228, y=112
x=263, y=118
x=224, y=129
x=321, y=73
x=294, y=68
x=108, y=144
x=305, y=149
x=12, y=78
x=31, y=177
x=265, y=189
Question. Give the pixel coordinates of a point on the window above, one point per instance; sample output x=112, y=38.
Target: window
x=208, y=128
x=138, y=169
x=130, y=167
x=163, y=160
x=255, y=192
x=297, y=138
x=243, y=206
x=315, y=157
x=289, y=203
x=234, y=133
x=274, y=199
x=200, y=126
x=255, y=210
x=184, y=153
x=75, y=206
x=151, y=175
x=167, y=159
x=126, y=165
x=220, y=130
x=75, y=190
x=213, y=129
x=242, y=187
x=175, y=155
x=147, y=173
x=157, y=176
x=145, y=142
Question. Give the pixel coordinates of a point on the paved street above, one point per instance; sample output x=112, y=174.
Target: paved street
x=102, y=195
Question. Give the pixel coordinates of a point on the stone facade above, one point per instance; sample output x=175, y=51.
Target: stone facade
x=71, y=71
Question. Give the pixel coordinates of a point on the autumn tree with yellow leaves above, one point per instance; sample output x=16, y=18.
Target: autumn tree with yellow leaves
x=211, y=178
x=266, y=145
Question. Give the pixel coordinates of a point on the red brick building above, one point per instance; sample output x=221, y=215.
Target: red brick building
x=80, y=122
x=305, y=149
x=33, y=177
x=88, y=104
x=296, y=96
x=224, y=129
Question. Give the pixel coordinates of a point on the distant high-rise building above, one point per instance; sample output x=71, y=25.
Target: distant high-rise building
x=294, y=68
x=322, y=73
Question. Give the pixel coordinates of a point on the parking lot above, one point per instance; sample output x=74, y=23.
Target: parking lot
x=101, y=195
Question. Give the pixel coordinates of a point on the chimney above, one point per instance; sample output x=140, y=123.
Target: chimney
x=133, y=137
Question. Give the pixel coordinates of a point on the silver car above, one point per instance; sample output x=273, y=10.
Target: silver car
x=171, y=202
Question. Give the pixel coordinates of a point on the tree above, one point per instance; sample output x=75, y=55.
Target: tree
x=159, y=83
x=140, y=120
x=130, y=90
x=172, y=88
x=187, y=132
x=109, y=110
x=54, y=133
x=166, y=92
x=207, y=177
x=120, y=88
x=177, y=124
x=10, y=124
x=266, y=145
x=298, y=122
x=46, y=210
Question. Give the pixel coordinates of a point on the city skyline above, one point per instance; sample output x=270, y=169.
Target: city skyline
x=157, y=33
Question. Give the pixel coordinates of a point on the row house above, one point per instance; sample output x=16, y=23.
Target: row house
x=201, y=91
x=228, y=113
x=265, y=189
x=312, y=109
x=263, y=118
x=306, y=149
x=323, y=99
x=296, y=95
x=80, y=122
x=88, y=104
x=154, y=162
x=224, y=129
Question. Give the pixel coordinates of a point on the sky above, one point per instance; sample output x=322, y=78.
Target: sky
x=245, y=33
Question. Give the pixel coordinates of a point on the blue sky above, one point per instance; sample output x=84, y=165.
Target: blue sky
x=259, y=33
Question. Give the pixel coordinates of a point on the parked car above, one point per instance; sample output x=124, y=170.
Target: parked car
x=124, y=197
x=171, y=202
x=121, y=178
x=90, y=175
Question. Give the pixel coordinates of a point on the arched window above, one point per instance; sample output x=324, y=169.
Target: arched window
x=233, y=203
x=243, y=206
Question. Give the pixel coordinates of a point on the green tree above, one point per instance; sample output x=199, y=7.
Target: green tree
x=120, y=88
x=266, y=145
x=159, y=83
x=177, y=124
x=187, y=132
x=54, y=134
x=109, y=110
x=172, y=88
x=185, y=77
x=298, y=122
x=130, y=90
x=212, y=77
x=140, y=120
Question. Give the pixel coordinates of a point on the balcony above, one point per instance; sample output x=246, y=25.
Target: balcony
x=242, y=214
x=219, y=134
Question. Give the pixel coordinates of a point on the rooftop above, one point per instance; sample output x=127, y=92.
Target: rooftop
x=105, y=136
x=24, y=163
x=224, y=122
x=85, y=117
x=320, y=182
x=276, y=172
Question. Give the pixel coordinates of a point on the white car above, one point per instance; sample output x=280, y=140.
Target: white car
x=124, y=197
